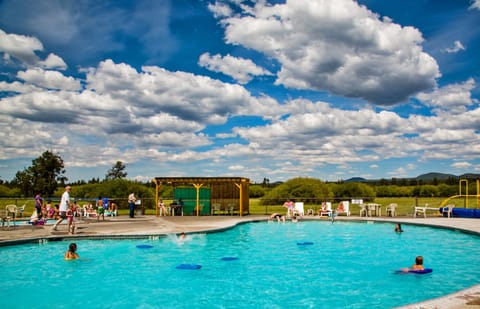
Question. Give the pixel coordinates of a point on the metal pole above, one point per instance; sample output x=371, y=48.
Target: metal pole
x=154, y=180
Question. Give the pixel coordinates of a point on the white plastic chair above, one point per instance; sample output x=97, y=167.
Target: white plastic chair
x=230, y=208
x=363, y=210
x=420, y=210
x=448, y=210
x=391, y=209
x=216, y=207
x=10, y=215
x=21, y=210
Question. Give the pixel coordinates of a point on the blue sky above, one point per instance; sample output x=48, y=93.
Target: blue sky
x=257, y=89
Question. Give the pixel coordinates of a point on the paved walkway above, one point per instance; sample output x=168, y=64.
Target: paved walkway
x=141, y=226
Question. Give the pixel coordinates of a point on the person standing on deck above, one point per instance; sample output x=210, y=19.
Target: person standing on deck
x=131, y=204
x=39, y=204
x=64, y=205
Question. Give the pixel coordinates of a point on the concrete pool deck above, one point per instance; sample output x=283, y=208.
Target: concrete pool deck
x=143, y=226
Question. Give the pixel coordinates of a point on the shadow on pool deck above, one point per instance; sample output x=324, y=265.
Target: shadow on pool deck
x=143, y=226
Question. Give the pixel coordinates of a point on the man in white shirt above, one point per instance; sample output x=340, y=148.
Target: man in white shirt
x=64, y=204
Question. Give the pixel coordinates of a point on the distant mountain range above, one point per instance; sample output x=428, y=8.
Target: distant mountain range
x=426, y=177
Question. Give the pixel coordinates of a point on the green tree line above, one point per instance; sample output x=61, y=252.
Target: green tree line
x=46, y=176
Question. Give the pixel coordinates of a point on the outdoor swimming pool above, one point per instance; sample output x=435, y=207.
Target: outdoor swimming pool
x=348, y=265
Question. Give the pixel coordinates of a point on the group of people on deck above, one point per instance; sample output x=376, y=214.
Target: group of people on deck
x=43, y=211
x=176, y=208
x=292, y=213
x=67, y=210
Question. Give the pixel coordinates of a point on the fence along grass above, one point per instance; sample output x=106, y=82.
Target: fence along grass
x=405, y=205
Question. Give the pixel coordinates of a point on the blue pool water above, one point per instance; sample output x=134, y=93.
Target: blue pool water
x=344, y=264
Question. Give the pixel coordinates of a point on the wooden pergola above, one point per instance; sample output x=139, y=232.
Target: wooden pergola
x=231, y=189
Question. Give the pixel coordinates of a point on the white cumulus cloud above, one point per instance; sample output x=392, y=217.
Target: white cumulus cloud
x=53, y=62
x=453, y=98
x=336, y=46
x=20, y=47
x=49, y=79
x=242, y=70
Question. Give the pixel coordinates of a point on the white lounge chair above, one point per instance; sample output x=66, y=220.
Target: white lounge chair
x=89, y=213
x=298, y=209
x=343, y=208
x=112, y=213
x=326, y=209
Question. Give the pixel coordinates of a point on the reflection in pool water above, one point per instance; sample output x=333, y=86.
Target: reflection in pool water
x=253, y=265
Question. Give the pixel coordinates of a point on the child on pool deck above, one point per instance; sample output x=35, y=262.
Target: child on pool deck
x=70, y=217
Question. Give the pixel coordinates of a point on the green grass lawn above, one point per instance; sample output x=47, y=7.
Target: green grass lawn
x=405, y=205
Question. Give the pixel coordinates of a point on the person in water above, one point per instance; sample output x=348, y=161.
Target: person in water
x=71, y=253
x=417, y=266
x=418, y=263
x=277, y=216
x=398, y=228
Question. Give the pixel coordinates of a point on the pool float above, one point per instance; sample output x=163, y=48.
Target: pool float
x=412, y=271
x=229, y=258
x=144, y=246
x=423, y=271
x=304, y=243
x=463, y=212
x=188, y=266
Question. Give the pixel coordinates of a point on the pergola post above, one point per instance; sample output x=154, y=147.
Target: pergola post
x=198, y=186
x=239, y=186
x=157, y=187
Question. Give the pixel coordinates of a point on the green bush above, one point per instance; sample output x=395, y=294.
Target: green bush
x=307, y=190
x=353, y=190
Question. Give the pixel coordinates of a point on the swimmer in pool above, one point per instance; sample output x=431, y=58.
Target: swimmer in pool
x=417, y=266
x=277, y=216
x=398, y=228
x=418, y=263
x=72, y=254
